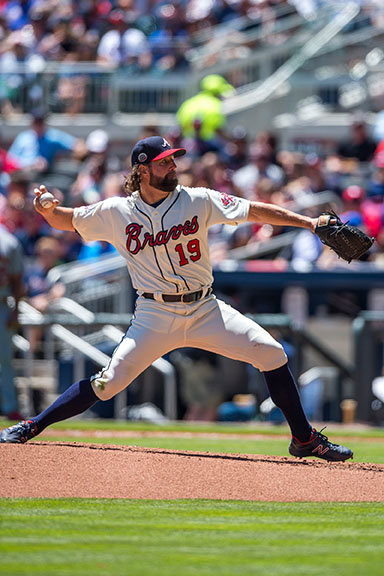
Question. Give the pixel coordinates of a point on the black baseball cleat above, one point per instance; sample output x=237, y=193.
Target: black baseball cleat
x=19, y=433
x=319, y=445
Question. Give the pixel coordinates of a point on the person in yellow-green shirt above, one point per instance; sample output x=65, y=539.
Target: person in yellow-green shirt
x=201, y=117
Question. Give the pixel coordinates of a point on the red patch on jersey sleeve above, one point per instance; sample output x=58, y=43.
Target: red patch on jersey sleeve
x=227, y=199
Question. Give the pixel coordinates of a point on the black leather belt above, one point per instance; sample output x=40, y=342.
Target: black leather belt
x=188, y=297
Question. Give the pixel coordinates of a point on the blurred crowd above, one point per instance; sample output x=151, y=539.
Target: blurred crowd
x=144, y=35
x=141, y=34
x=255, y=167
x=135, y=37
x=130, y=36
x=232, y=161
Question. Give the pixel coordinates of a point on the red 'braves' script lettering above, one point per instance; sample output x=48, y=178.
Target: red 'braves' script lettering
x=135, y=243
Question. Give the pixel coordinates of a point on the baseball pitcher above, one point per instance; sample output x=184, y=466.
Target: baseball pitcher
x=160, y=228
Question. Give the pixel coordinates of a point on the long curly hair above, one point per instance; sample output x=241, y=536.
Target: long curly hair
x=133, y=181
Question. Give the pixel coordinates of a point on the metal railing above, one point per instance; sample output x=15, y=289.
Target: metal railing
x=77, y=316
x=223, y=45
x=261, y=93
x=282, y=13
x=368, y=330
x=102, y=284
x=366, y=366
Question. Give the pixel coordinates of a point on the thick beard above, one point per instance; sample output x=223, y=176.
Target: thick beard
x=166, y=184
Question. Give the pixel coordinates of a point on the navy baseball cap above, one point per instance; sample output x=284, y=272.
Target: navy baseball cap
x=153, y=148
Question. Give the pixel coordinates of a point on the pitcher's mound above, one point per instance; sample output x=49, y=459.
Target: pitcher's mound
x=63, y=470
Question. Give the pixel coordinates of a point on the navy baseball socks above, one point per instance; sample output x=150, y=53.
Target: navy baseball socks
x=75, y=400
x=285, y=395
x=306, y=441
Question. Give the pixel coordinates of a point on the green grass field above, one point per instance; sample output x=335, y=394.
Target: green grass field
x=70, y=537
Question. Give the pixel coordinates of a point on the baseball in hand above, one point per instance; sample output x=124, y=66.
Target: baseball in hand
x=46, y=200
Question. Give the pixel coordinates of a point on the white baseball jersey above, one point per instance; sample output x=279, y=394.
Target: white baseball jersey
x=166, y=250
x=165, y=247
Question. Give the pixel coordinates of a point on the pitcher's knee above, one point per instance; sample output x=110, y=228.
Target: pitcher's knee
x=106, y=389
x=271, y=356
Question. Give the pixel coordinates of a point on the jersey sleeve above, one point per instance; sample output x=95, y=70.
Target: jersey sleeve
x=94, y=222
x=226, y=209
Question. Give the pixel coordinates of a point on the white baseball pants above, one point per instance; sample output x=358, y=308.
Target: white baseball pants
x=158, y=328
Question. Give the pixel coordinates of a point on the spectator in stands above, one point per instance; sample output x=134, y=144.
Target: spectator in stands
x=146, y=132
x=97, y=143
x=41, y=293
x=37, y=148
x=174, y=136
x=216, y=175
x=94, y=13
x=201, y=117
x=13, y=213
x=378, y=128
x=39, y=290
x=62, y=41
x=88, y=185
x=302, y=179
x=353, y=197
x=259, y=166
x=7, y=164
x=367, y=213
x=113, y=185
x=225, y=11
x=270, y=141
x=235, y=150
x=19, y=216
x=16, y=13
x=199, y=386
x=74, y=44
x=38, y=16
x=314, y=173
x=71, y=92
x=31, y=230
x=169, y=41
x=377, y=252
x=11, y=268
x=87, y=48
x=306, y=250
x=124, y=46
x=359, y=145
x=376, y=181
x=292, y=164
x=16, y=87
x=70, y=246
x=199, y=17
x=95, y=250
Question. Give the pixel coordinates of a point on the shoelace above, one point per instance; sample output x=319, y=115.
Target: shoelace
x=323, y=437
x=27, y=425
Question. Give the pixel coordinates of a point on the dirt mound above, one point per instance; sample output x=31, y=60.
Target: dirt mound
x=63, y=469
